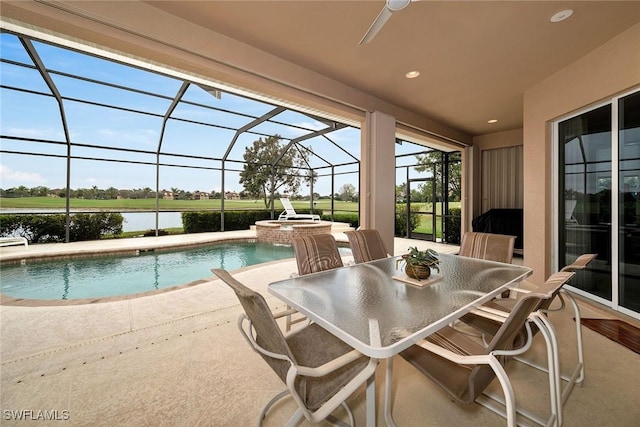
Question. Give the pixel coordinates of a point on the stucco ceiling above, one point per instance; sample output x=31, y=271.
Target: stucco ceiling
x=476, y=58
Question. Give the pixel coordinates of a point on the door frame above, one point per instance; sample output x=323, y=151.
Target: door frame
x=614, y=304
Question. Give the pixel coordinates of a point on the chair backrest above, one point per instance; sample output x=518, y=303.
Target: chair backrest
x=288, y=207
x=268, y=333
x=315, y=253
x=505, y=337
x=529, y=303
x=580, y=263
x=366, y=245
x=492, y=247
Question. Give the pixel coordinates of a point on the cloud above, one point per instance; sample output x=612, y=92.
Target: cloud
x=36, y=133
x=11, y=178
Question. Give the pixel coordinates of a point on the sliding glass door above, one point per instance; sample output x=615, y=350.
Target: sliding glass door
x=629, y=208
x=585, y=195
x=598, y=211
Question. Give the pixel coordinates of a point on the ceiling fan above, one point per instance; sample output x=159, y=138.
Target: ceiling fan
x=389, y=8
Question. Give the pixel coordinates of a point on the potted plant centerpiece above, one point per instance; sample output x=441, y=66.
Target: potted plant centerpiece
x=418, y=264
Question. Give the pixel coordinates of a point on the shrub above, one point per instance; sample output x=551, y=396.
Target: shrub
x=201, y=222
x=52, y=228
x=94, y=226
x=349, y=217
x=401, y=219
x=452, y=226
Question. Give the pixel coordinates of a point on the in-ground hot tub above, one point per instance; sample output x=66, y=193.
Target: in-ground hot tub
x=283, y=232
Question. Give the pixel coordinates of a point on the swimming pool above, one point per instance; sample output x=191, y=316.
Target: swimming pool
x=115, y=275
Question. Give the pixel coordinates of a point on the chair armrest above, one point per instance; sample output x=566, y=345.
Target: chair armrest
x=490, y=313
x=479, y=359
x=329, y=367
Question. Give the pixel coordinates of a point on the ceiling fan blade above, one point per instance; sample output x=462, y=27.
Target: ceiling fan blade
x=384, y=15
x=377, y=25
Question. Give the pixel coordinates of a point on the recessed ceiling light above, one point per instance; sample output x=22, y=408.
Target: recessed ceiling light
x=412, y=74
x=562, y=15
x=492, y=121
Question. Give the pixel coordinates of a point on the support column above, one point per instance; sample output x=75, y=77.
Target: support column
x=378, y=176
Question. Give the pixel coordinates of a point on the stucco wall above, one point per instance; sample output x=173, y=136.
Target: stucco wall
x=612, y=68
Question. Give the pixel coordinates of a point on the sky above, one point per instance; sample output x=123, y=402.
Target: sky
x=32, y=116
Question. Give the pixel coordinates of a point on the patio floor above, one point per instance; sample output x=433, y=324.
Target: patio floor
x=176, y=359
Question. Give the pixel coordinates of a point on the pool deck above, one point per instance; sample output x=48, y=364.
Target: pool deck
x=175, y=358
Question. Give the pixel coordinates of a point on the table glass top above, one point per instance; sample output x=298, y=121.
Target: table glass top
x=345, y=299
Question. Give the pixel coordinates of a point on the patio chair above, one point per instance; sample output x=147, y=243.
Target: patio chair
x=289, y=212
x=319, y=370
x=492, y=247
x=366, y=245
x=489, y=327
x=464, y=368
x=316, y=252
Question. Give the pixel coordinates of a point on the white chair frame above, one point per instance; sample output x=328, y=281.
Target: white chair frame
x=14, y=241
x=290, y=213
x=339, y=399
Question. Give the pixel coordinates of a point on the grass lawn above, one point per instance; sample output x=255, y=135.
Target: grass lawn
x=426, y=222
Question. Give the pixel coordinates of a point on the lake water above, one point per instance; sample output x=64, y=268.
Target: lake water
x=139, y=221
x=133, y=221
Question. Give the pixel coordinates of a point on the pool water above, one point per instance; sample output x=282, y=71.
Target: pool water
x=125, y=275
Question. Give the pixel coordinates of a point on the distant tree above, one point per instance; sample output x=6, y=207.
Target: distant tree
x=262, y=178
x=21, y=191
x=111, y=193
x=433, y=161
x=39, y=191
x=347, y=192
x=93, y=193
x=401, y=192
x=125, y=194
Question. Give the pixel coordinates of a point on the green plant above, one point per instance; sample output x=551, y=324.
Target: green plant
x=452, y=226
x=426, y=258
x=401, y=218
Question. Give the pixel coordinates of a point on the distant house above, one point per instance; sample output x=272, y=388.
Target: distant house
x=201, y=195
x=167, y=195
x=231, y=195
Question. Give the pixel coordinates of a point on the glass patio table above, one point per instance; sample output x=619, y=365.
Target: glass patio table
x=373, y=309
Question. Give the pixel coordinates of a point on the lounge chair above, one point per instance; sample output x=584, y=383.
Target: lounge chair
x=12, y=241
x=289, y=212
x=319, y=370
